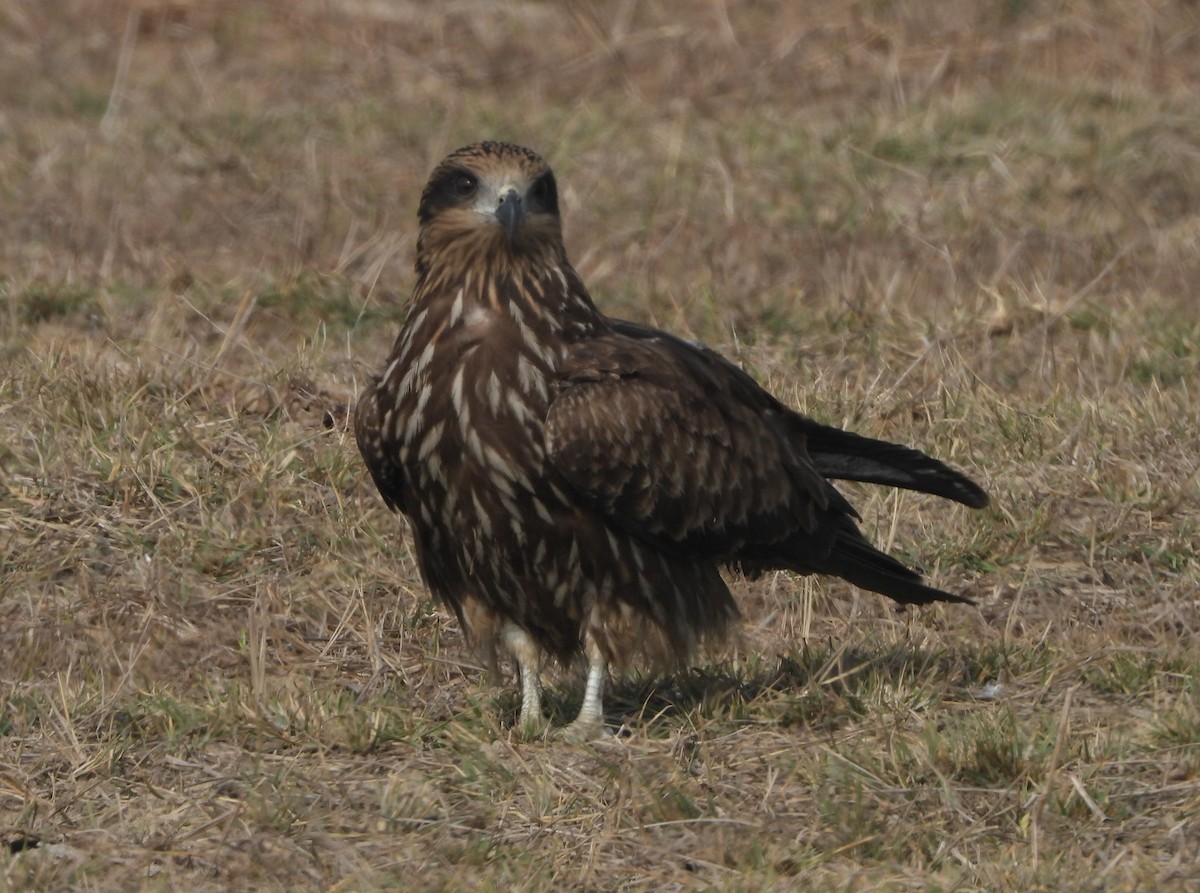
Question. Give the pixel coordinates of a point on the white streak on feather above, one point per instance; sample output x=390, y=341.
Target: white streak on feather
x=414, y=420
x=514, y=523
x=474, y=444
x=542, y=511
x=530, y=378
x=519, y=410
x=510, y=508
x=485, y=522
x=411, y=327
x=535, y=345
x=638, y=560
x=561, y=591
x=504, y=486
x=411, y=429
x=506, y=471
x=494, y=392
x=431, y=439
x=423, y=398
x=391, y=370
x=433, y=468
x=413, y=374
x=456, y=308
x=614, y=545
x=456, y=391
x=562, y=281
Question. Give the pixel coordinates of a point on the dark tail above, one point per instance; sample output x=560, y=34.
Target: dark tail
x=843, y=456
x=858, y=562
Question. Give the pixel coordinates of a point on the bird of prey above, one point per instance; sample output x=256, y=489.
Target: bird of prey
x=574, y=483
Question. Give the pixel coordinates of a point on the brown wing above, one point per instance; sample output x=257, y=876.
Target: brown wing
x=674, y=454
x=694, y=457
x=368, y=432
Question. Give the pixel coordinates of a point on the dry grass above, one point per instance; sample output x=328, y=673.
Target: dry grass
x=972, y=227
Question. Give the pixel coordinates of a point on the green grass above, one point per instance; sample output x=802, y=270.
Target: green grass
x=971, y=229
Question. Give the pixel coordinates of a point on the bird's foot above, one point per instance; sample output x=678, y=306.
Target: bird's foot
x=589, y=724
x=584, y=729
x=531, y=727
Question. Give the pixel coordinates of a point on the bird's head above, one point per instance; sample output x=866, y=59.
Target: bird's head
x=490, y=198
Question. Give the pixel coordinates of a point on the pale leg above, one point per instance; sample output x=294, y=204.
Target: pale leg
x=589, y=723
x=528, y=657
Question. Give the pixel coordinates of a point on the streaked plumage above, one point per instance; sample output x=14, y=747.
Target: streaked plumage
x=573, y=482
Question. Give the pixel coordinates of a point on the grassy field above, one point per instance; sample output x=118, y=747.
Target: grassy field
x=971, y=227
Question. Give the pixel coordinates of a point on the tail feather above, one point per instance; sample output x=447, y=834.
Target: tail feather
x=858, y=562
x=841, y=455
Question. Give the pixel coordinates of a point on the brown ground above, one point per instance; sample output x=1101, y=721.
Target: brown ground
x=973, y=227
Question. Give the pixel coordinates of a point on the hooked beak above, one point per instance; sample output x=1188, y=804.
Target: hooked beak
x=511, y=212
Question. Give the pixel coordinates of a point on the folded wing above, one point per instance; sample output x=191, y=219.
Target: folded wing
x=678, y=447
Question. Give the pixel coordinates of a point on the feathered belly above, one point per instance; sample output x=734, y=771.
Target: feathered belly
x=508, y=542
x=492, y=523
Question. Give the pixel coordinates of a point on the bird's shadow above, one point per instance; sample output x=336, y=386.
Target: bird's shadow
x=816, y=686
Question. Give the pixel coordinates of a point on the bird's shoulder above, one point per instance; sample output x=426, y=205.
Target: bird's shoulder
x=637, y=358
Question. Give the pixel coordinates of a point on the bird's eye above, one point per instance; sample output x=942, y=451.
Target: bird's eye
x=544, y=195
x=464, y=185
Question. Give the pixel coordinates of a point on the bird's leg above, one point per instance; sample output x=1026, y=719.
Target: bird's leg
x=525, y=652
x=589, y=724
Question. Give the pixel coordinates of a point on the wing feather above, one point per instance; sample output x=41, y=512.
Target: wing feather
x=368, y=432
x=675, y=456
